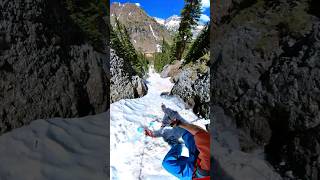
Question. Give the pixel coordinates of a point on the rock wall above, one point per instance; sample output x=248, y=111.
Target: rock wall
x=192, y=84
x=265, y=75
x=124, y=84
x=48, y=67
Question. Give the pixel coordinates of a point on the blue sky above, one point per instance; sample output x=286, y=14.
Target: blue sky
x=166, y=8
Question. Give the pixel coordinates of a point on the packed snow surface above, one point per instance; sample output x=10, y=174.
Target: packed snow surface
x=50, y=149
x=133, y=155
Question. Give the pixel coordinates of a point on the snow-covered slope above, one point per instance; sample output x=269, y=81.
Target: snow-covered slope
x=56, y=149
x=133, y=155
x=160, y=20
x=172, y=23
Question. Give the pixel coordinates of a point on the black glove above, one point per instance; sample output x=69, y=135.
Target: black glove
x=175, y=123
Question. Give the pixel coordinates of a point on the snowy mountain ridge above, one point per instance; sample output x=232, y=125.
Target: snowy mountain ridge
x=172, y=24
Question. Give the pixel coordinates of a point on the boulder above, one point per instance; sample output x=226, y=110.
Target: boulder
x=171, y=70
x=140, y=86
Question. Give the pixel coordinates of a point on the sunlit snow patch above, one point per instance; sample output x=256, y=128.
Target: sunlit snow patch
x=133, y=155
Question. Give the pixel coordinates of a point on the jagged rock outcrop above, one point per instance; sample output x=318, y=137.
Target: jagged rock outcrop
x=193, y=86
x=124, y=84
x=48, y=65
x=265, y=75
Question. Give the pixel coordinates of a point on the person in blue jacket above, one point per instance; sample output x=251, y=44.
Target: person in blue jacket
x=197, y=140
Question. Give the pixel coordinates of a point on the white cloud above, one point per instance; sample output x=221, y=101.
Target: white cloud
x=204, y=18
x=138, y=4
x=205, y=4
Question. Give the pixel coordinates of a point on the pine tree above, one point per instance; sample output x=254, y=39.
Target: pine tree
x=200, y=46
x=88, y=15
x=162, y=58
x=120, y=41
x=189, y=18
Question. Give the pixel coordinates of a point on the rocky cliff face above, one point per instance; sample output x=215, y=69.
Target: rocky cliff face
x=48, y=67
x=265, y=75
x=192, y=84
x=145, y=33
x=124, y=84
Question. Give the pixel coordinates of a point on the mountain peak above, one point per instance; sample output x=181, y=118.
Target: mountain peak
x=145, y=33
x=173, y=17
x=172, y=24
x=160, y=20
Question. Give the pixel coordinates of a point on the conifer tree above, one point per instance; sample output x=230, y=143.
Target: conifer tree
x=200, y=45
x=162, y=58
x=189, y=18
x=88, y=15
x=120, y=41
